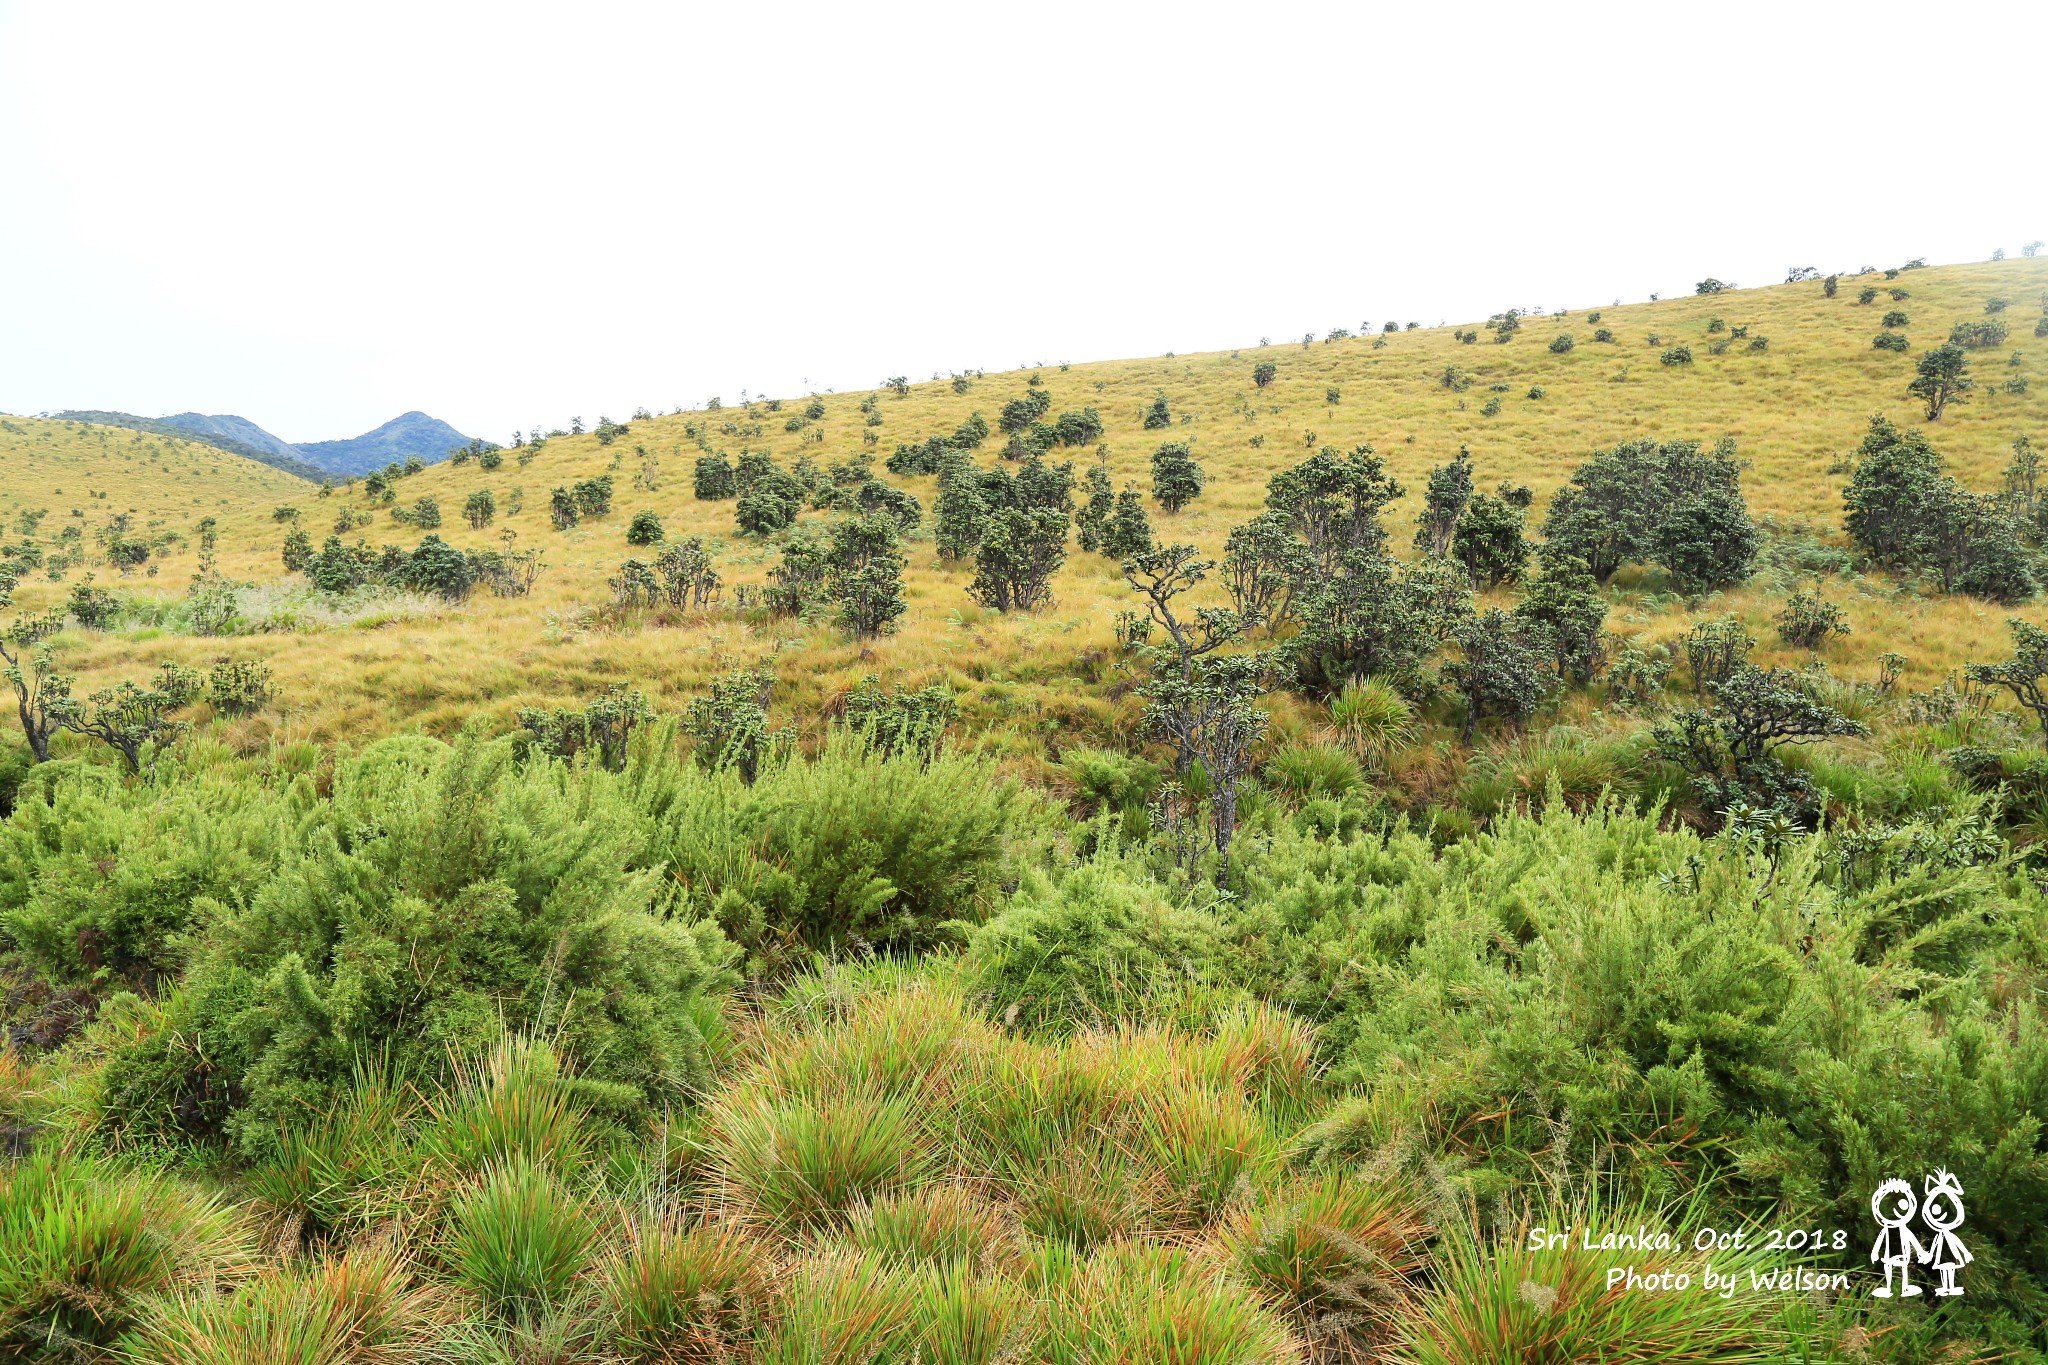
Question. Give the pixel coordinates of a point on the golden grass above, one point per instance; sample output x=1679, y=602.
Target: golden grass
x=1794, y=410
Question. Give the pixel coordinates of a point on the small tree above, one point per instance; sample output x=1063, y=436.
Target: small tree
x=731, y=724
x=426, y=513
x=2024, y=674
x=714, y=478
x=1707, y=541
x=799, y=580
x=866, y=578
x=1176, y=477
x=684, y=576
x=480, y=508
x=1129, y=530
x=1021, y=549
x=1198, y=699
x=1942, y=378
x=298, y=550
x=132, y=718
x=1808, y=619
x=1263, y=566
x=1566, y=602
x=1092, y=521
x=603, y=729
x=562, y=509
x=1264, y=373
x=645, y=529
x=1505, y=668
x=960, y=510
x=1491, y=541
x=1158, y=415
x=1730, y=752
x=42, y=694
x=1444, y=499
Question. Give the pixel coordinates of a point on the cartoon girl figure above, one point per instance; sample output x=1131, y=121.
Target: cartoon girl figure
x=1943, y=1210
x=1893, y=1205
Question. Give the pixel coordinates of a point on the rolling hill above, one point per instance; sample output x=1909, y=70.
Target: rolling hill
x=1794, y=391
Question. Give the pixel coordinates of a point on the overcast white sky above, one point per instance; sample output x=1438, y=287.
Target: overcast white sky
x=320, y=215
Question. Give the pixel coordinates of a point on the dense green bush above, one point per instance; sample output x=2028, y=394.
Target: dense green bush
x=1099, y=944
x=440, y=897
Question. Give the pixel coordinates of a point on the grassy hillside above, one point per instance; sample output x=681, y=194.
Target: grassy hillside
x=1794, y=409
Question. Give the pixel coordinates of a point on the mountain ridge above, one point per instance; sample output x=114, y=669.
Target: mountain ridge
x=413, y=433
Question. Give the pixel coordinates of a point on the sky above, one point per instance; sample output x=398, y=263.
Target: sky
x=318, y=216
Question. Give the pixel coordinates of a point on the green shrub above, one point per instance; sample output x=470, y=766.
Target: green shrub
x=475, y=896
x=1561, y=343
x=1101, y=943
x=645, y=529
x=1890, y=341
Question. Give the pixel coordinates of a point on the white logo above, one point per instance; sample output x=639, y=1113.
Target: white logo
x=1897, y=1248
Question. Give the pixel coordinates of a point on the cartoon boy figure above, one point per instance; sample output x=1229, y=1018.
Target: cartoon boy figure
x=1893, y=1206
x=1943, y=1210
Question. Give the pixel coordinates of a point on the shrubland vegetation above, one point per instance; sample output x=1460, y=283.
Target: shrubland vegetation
x=711, y=901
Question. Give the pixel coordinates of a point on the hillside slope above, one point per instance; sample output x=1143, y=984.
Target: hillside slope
x=236, y=435
x=1794, y=407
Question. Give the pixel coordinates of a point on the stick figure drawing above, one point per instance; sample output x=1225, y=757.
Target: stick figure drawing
x=1893, y=1206
x=1943, y=1210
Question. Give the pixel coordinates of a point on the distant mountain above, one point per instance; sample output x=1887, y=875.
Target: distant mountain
x=414, y=433
x=221, y=433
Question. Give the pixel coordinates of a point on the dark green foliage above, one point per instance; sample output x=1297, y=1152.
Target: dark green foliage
x=594, y=496
x=426, y=513
x=1714, y=650
x=1730, y=752
x=1566, y=602
x=298, y=550
x=866, y=578
x=2024, y=674
x=1905, y=512
x=1503, y=669
x=434, y=567
x=730, y=725
x=1158, y=415
x=770, y=501
x=1092, y=520
x=1021, y=549
x=1979, y=336
x=439, y=899
x=1677, y=355
x=1128, y=532
x=480, y=509
x=562, y=511
x=1490, y=541
x=1711, y=286
x=1603, y=335
x=900, y=721
x=1706, y=541
x=1642, y=501
x=1176, y=477
x=645, y=529
x=961, y=509
x=970, y=433
x=924, y=457
x=1019, y=413
x=1083, y=428
x=1808, y=619
x=1895, y=319
x=1264, y=373
x=1443, y=502
x=1868, y=294
x=600, y=731
x=1890, y=341
x=1941, y=379
x=714, y=478
x=1561, y=343
x=240, y=687
x=797, y=586
x=1264, y=564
